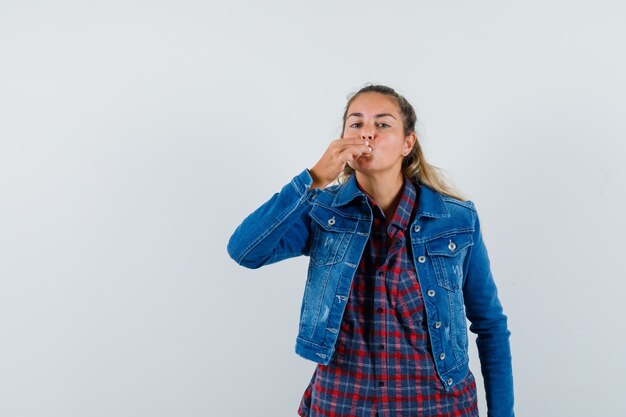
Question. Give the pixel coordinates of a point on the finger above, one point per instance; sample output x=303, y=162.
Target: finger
x=349, y=142
x=360, y=149
x=345, y=157
x=352, y=140
x=354, y=152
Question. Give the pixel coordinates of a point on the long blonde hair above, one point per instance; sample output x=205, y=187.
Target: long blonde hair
x=414, y=165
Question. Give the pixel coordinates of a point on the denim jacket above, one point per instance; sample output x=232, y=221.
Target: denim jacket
x=332, y=226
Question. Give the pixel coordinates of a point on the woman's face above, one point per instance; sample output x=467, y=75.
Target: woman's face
x=376, y=118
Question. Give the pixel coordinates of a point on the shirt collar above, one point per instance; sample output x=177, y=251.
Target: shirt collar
x=430, y=203
x=402, y=216
x=405, y=205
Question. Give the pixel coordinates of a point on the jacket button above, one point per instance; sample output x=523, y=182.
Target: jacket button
x=417, y=228
x=437, y=325
x=431, y=293
x=331, y=221
x=452, y=246
x=442, y=356
x=449, y=381
x=421, y=259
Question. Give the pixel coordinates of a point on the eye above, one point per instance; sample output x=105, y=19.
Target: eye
x=355, y=125
x=385, y=125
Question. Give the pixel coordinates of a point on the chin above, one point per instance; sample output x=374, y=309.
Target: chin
x=365, y=169
x=370, y=167
x=361, y=163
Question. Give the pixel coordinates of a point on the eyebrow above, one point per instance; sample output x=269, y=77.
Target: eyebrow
x=376, y=115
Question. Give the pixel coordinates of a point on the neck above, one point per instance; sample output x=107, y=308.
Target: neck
x=385, y=189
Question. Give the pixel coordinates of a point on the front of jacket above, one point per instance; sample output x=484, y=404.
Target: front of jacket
x=332, y=226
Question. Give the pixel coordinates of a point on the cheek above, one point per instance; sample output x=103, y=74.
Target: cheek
x=392, y=146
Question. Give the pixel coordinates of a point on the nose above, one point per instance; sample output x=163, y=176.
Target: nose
x=366, y=133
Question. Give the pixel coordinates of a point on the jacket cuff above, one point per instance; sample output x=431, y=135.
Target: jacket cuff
x=302, y=182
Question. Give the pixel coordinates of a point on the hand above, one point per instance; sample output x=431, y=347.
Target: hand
x=339, y=153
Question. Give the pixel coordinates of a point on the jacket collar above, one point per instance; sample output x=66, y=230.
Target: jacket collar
x=430, y=202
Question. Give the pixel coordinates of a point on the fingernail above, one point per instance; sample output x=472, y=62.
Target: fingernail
x=369, y=149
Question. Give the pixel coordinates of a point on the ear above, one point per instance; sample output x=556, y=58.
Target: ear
x=409, y=141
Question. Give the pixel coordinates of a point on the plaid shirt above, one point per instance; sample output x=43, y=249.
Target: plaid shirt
x=383, y=364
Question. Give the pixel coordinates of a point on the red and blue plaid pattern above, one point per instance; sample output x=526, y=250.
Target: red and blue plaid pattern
x=383, y=365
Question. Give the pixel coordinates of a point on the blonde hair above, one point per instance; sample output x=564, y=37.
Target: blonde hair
x=414, y=165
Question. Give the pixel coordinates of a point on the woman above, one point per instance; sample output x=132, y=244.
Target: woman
x=397, y=266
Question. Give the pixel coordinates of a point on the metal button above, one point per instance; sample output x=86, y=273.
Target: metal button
x=331, y=221
x=417, y=228
x=431, y=293
x=437, y=325
x=449, y=381
x=421, y=259
x=442, y=356
x=452, y=245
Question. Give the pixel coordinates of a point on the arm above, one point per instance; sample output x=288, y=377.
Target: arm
x=278, y=229
x=489, y=323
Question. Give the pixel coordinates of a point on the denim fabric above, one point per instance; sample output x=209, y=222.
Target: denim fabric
x=332, y=226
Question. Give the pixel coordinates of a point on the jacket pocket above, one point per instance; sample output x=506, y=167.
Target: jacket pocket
x=331, y=235
x=447, y=255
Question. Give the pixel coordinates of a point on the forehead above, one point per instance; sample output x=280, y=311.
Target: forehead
x=373, y=103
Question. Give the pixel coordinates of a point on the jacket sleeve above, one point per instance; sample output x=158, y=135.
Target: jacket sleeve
x=489, y=323
x=278, y=229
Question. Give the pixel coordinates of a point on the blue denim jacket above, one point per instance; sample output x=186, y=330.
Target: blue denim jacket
x=332, y=225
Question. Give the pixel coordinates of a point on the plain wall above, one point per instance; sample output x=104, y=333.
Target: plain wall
x=136, y=135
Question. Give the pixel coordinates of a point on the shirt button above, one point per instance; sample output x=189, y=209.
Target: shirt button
x=381, y=383
x=417, y=228
x=381, y=347
x=431, y=293
x=442, y=356
x=379, y=309
x=449, y=381
x=421, y=259
x=437, y=325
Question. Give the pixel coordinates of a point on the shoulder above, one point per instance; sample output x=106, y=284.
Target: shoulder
x=326, y=196
x=464, y=210
x=458, y=206
x=453, y=212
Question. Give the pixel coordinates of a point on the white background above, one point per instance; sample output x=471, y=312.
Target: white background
x=136, y=135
